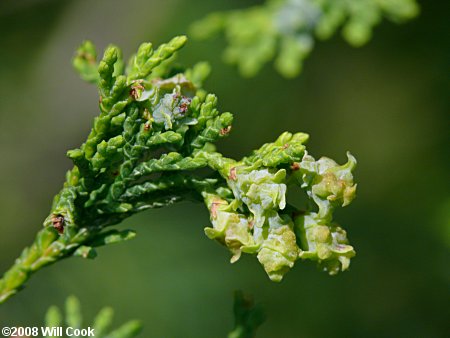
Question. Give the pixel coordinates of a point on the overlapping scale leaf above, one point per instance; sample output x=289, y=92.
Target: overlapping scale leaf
x=142, y=129
x=85, y=62
x=288, y=148
x=143, y=63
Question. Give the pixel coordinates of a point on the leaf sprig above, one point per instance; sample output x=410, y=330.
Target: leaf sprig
x=285, y=30
x=155, y=131
x=248, y=316
x=73, y=318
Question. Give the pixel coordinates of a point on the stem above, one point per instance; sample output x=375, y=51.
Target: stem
x=50, y=246
x=38, y=255
x=47, y=248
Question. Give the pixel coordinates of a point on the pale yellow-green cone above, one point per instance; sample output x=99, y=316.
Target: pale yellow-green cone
x=278, y=252
x=327, y=183
x=326, y=244
x=229, y=227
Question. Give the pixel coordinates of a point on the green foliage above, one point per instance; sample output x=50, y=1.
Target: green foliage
x=101, y=324
x=247, y=316
x=155, y=130
x=286, y=29
x=256, y=217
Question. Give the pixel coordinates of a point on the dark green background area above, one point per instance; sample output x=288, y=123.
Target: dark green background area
x=387, y=102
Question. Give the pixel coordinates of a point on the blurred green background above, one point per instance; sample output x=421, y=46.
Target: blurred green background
x=387, y=102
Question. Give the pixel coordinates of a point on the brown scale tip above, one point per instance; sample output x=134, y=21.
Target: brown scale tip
x=225, y=131
x=136, y=89
x=233, y=174
x=251, y=224
x=214, y=209
x=183, y=107
x=88, y=57
x=214, y=206
x=295, y=166
x=58, y=223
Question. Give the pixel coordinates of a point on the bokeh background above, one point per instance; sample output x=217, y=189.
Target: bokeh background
x=387, y=102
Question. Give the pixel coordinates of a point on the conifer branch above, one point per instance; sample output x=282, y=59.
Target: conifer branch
x=285, y=30
x=154, y=132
